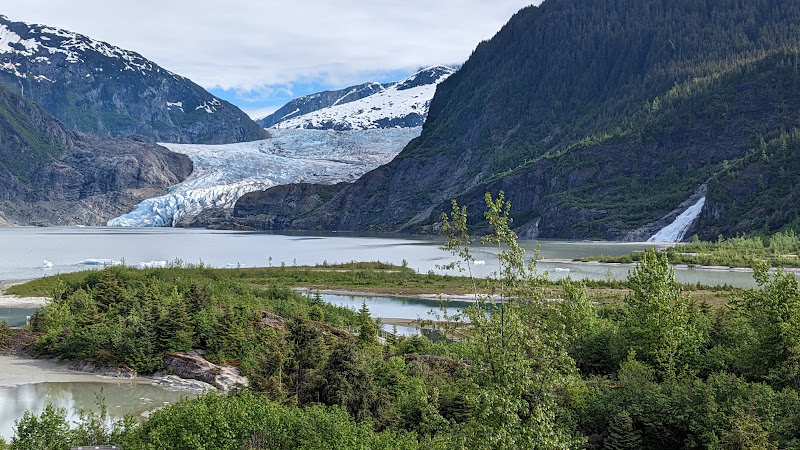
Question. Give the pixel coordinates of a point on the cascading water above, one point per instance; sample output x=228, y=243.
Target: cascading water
x=675, y=231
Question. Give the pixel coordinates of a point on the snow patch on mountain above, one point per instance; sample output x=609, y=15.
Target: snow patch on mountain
x=401, y=104
x=223, y=173
x=41, y=41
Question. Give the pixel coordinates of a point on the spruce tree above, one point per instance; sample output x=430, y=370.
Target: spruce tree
x=621, y=434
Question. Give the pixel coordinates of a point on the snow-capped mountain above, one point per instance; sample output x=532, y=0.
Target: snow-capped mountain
x=223, y=173
x=310, y=103
x=104, y=90
x=367, y=106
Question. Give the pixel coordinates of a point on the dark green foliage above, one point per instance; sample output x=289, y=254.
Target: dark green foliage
x=248, y=421
x=621, y=434
x=345, y=381
x=131, y=318
x=5, y=333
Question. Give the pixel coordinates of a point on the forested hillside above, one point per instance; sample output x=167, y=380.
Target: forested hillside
x=565, y=108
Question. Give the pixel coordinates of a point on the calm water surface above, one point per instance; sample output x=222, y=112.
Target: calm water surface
x=29, y=385
x=22, y=251
x=16, y=317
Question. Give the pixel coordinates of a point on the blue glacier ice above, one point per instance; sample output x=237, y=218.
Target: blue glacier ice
x=223, y=173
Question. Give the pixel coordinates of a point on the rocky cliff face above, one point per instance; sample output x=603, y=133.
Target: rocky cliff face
x=97, y=88
x=193, y=365
x=50, y=175
x=273, y=209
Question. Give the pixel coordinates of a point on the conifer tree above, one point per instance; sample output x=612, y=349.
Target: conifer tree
x=621, y=434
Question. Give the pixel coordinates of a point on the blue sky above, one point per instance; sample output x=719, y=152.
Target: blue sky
x=259, y=54
x=259, y=103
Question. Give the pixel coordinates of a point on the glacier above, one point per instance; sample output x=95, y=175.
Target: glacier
x=676, y=231
x=223, y=173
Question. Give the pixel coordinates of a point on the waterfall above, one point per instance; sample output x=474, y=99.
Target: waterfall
x=675, y=231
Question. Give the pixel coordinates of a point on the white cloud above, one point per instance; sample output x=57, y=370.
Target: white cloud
x=250, y=45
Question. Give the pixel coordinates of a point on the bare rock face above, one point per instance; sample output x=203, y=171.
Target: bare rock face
x=193, y=365
x=98, y=369
x=176, y=382
x=50, y=175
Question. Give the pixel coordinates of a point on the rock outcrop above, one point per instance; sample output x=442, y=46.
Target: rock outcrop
x=176, y=382
x=51, y=175
x=98, y=369
x=192, y=364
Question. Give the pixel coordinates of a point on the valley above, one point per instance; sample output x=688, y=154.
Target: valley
x=335, y=226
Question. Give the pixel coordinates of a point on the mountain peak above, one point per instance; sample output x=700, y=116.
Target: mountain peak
x=112, y=92
x=365, y=106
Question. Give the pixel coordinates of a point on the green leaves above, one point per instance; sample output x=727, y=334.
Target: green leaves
x=661, y=325
x=774, y=313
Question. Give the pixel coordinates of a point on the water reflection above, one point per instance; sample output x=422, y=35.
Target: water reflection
x=120, y=398
x=16, y=317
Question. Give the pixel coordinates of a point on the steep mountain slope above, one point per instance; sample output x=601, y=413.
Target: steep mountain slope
x=97, y=88
x=624, y=185
x=310, y=103
x=562, y=110
x=50, y=175
x=372, y=105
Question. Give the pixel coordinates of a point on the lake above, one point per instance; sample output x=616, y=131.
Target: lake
x=23, y=250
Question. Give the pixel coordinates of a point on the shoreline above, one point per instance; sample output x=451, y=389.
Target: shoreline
x=15, y=301
x=795, y=270
x=429, y=297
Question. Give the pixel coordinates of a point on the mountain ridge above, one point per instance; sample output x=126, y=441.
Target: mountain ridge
x=575, y=137
x=51, y=175
x=369, y=105
x=101, y=89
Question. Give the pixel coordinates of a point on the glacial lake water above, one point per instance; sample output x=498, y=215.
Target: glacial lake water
x=29, y=385
x=16, y=317
x=24, y=249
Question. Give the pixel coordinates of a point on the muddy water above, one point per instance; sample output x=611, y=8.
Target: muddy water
x=29, y=385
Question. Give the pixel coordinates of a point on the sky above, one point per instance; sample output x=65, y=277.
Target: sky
x=259, y=54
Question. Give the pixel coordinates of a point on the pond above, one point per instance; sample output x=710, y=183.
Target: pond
x=30, y=384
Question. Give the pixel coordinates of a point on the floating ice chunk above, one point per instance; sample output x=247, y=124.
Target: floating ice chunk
x=100, y=262
x=47, y=264
x=480, y=262
x=561, y=269
x=152, y=264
